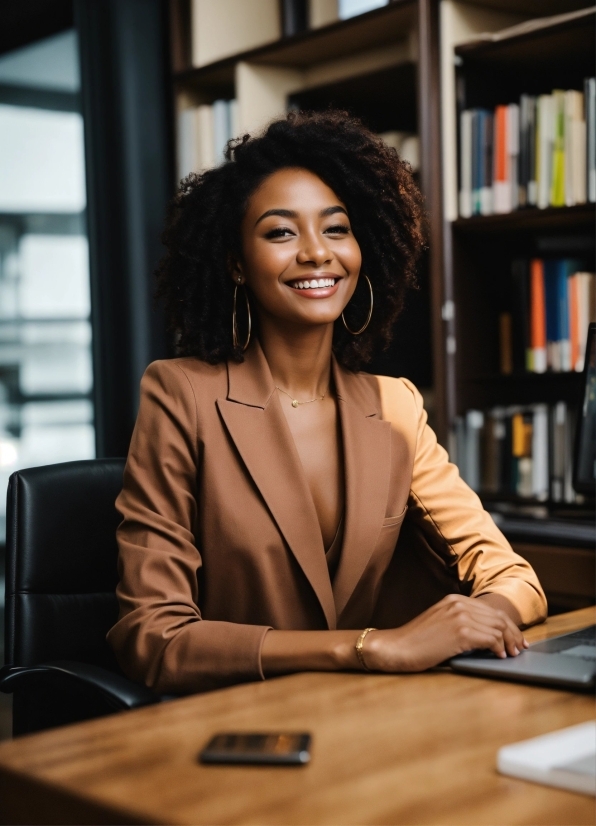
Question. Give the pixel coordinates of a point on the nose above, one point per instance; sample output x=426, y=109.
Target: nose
x=313, y=250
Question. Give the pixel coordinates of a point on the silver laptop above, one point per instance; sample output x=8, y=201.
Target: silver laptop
x=568, y=661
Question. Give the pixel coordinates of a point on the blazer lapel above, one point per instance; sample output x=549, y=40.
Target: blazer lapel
x=256, y=423
x=367, y=461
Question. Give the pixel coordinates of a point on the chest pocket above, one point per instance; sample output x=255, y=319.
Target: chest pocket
x=393, y=521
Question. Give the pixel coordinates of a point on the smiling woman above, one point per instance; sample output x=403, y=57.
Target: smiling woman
x=279, y=506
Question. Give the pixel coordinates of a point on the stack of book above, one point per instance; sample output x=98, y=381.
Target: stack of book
x=518, y=451
x=540, y=152
x=545, y=326
x=203, y=134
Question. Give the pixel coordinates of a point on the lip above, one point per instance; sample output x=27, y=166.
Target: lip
x=319, y=292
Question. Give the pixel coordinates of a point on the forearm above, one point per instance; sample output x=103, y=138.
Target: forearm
x=284, y=652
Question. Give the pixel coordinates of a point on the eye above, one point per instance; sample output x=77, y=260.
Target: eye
x=279, y=232
x=338, y=229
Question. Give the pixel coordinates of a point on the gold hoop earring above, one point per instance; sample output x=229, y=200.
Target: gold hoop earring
x=235, y=339
x=369, y=316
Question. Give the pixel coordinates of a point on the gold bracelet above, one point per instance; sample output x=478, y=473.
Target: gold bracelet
x=360, y=646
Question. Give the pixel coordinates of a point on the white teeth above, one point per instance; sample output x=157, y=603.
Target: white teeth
x=315, y=284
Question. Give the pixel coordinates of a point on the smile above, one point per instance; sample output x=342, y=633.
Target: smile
x=318, y=287
x=313, y=284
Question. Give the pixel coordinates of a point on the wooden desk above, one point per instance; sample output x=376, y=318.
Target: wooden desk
x=386, y=750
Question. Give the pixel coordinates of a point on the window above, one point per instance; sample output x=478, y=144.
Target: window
x=46, y=377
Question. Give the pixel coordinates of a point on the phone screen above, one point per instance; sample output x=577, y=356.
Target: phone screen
x=267, y=748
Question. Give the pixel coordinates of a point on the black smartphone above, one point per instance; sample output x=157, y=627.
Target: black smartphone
x=274, y=748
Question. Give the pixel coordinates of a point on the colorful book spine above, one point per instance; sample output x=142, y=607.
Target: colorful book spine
x=540, y=152
x=527, y=151
x=537, y=317
x=557, y=187
x=544, y=323
x=522, y=451
x=501, y=176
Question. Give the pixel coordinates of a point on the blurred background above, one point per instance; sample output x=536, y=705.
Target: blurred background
x=106, y=104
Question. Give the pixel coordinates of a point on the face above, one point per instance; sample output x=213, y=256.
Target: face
x=300, y=258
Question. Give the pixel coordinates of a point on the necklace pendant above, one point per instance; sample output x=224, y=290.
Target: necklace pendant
x=294, y=402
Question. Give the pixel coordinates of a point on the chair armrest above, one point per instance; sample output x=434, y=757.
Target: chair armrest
x=117, y=691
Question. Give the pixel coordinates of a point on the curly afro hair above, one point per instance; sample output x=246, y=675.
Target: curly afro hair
x=204, y=219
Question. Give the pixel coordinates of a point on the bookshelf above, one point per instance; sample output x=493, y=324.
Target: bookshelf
x=479, y=251
x=410, y=67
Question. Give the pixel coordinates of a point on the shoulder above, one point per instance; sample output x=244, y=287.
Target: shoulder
x=396, y=399
x=188, y=374
x=399, y=392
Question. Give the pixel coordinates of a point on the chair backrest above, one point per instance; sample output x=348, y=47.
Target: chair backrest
x=61, y=562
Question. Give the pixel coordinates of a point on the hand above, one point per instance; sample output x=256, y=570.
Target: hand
x=454, y=625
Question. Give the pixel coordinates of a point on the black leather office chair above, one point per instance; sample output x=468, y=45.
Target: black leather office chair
x=60, y=578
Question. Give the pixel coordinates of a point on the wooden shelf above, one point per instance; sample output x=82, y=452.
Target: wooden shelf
x=337, y=40
x=531, y=8
x=558, y=56
x=531, y=219
x=526, y=388
x=566, y=39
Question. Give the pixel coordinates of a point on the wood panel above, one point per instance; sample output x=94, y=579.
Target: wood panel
x=386, y=750
x=568, y=575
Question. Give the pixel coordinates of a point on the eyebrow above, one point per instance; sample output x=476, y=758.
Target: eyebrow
x=290, y=213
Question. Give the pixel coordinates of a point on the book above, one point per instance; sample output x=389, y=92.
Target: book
x=557, y=187
x=476, y=160
x=535, y=153
x=527, y=151
x=513, y=154
x=590, y=118
x=486, y=191
x=575, y=149
x=559, y=460
x=544, y=324
x=557, y=333
x=586, y=299
x=574, y=311
x=501, y=176
x=521, y=450
x=544, y=148
x=538, y=361
x=540, y=479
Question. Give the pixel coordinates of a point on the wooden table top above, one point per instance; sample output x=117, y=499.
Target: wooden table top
x=403, y=749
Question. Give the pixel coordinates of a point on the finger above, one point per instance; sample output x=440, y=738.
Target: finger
x=477, y=635
x=514, y=639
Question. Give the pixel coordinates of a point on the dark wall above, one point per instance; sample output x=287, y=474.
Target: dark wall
x=126, y=109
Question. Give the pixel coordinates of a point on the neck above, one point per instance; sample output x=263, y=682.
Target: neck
x=299, y=359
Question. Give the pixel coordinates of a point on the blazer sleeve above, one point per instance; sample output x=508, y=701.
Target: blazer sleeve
x=160, y=638
x=449, y=510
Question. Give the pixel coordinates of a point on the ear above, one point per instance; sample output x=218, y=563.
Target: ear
x=235, y=270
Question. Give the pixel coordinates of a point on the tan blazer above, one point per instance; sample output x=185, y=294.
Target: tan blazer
x=220, y=539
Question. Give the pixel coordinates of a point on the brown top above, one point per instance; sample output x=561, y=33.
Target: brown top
x=220, y=539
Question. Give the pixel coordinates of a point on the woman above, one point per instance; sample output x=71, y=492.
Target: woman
x=267, y=480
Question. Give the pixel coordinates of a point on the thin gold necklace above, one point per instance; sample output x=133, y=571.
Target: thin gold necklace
x=295, y=402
